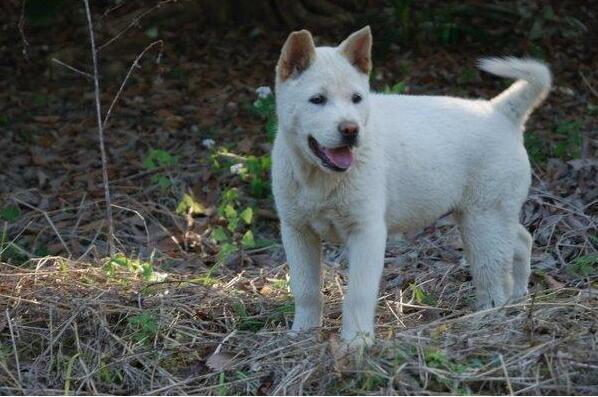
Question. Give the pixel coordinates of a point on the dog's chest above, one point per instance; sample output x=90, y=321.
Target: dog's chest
x=330, y=219
x=329, y=227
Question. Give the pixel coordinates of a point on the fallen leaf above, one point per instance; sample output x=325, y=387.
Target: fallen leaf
x=221, y=361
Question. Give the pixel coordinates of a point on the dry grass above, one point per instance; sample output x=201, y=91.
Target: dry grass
x=71, y=326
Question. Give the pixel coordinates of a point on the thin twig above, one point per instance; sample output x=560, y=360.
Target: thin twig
x=45, y=214
x=133, y=66
x=96, y=82
x=22, y=30
x=587, y=82
x=14, y=347
x=72, y=68
x=133, y=23
x=508, y=380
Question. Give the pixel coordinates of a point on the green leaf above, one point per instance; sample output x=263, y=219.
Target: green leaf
x=220, y=235
x=398, y=88
x=147, y=270
x=10, y=214
x=584, y=266
x=421, y=297
x=159, y=158
x=161, y=181
x=189, y=205
x=230, y=212
x=230, y=196
x=247, y=215
x=248, y=241
x=226, y=250
x=233, y=224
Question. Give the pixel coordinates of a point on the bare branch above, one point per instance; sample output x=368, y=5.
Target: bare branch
x=72, y=68
x=96, y=82
x=133, y=66
x=133, y=23
x=22, y=30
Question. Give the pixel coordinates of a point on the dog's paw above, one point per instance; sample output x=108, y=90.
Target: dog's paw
x=519, y=294
x=357, y=341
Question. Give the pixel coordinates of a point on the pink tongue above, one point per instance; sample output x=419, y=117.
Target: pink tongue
x=341, y=157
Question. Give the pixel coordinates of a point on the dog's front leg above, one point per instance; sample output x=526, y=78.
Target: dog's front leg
x=366, y=261
x=304, y=249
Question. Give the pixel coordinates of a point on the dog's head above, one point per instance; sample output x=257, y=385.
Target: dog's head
x=322, y=97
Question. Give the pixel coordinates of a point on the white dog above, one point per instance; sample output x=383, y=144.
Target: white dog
x=350, y=166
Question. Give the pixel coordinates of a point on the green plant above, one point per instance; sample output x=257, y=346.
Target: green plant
x=10, y=213
x=135, y=266
x=398, y=88
x=158, y=158
x=567, y=146
x=265, y=108
x=189, y=205
x=584, y=266
x=11, y=251
x=570, y=146
x=144, y=325
x=246, y=322
x=256, y=172
x=237, y=233
x=421, y=297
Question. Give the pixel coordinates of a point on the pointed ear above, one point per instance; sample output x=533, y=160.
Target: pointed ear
x=357, y=48
x=298, y=52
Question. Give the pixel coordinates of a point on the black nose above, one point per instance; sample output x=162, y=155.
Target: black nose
x=349, y=131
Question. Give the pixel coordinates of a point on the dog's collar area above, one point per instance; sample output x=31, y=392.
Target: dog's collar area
x=337, y=159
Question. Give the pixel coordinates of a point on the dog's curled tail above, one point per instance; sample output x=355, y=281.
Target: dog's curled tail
x=531, y=88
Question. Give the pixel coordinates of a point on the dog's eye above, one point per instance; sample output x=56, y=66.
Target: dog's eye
x=318, y=99
x=356, y=98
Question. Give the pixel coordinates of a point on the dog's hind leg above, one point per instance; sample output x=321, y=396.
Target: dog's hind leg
x=304, y=250
x=488, y=237
x=521, y=262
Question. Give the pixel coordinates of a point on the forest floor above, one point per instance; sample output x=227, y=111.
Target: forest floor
x=196, y=301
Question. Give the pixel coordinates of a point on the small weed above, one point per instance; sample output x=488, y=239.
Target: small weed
x=421, y=297
x=246, y=322
x=223, y=389
x=135, y=266
x=145, y=327
x=10, y=213
x=189, y=205
x=584, y=266
x=398, y=88
x=237, y=233
x=265, y=108
x=538, y=148
x=371, y=381
x=11, y=252
x=158, y=158
x=256, y=171
x=568, y=145
x=109, y=375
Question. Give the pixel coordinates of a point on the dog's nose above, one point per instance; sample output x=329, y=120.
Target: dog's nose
x=348, y=129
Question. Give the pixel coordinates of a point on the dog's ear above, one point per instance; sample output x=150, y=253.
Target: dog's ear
x=357, y=48
x=298, y=52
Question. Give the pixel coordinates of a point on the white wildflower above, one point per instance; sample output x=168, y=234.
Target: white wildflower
x=208, y=143
x=263, y=92
x=236, y=168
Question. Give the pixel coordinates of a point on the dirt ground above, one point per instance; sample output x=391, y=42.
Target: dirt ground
x=196, y=300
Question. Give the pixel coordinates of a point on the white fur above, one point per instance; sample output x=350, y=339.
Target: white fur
x=419, y=157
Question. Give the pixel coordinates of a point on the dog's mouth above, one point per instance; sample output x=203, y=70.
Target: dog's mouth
x=337, y=159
